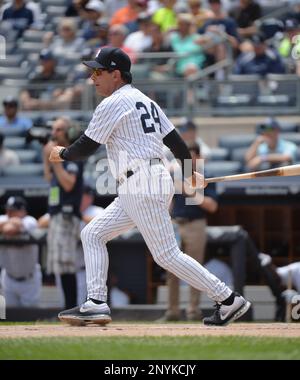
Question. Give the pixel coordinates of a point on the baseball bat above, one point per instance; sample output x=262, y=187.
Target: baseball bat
x=284, y=171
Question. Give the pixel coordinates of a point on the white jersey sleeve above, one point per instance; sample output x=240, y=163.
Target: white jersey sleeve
x=105, y=119
x=166, y=125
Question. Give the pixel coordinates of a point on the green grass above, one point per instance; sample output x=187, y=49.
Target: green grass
x=180, y=348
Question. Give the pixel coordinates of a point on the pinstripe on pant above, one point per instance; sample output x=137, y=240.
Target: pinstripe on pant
x=147, y=208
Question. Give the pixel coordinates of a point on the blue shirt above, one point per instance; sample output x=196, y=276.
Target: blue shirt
x=19, y=122
x=58, y=197
x=20, y=19
x=282, y=147
x=268, y=63
x=228, y=24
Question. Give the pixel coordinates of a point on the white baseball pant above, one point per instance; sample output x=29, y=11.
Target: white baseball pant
x=145, y=206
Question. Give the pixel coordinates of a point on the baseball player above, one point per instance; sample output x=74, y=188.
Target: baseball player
x=134, y=129
x=21, y=276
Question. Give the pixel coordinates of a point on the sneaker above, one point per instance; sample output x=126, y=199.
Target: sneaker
x=225, y=314
x=88, y=312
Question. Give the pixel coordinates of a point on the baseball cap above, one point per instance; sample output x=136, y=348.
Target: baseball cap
x=110, y=58
x=258, y=39
x=95, y=5
x=269, y=125
x=16, y=203
x=10, y=100
x=46, y=54
x=186, y=125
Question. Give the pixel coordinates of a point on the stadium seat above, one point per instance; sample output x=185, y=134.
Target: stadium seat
x=14, y=142
x=14, y=60
x=31, y=35
x=236, y=141
x=30, y=47
x=219, y=154
x=55, y=11
x=24, y=170
x=298, y=155
x=221, y=168
x=26, y=155
x=294, y=137
x=8, y=131
x=13, y=72
x=238, y=154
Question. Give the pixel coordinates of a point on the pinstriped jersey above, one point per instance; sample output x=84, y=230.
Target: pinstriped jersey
x=130, y=123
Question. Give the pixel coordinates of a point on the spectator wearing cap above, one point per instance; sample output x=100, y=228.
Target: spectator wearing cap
x=269, y=149
x=46, y=78
x=245, y=14
x=21, y=277
x=11, y=118
x=129, y=13
x=7, y=156
x=18, y=15
x=166, y=16
x=262, y=60
x=141, y=39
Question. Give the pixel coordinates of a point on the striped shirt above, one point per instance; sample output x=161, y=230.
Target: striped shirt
x=131, y=125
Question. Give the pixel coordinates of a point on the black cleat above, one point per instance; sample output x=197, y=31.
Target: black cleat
x=88, y=312
x=225, y=314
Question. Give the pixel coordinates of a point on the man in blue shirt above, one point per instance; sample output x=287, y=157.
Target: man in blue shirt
x=19, y=16
x=11, y=119
x=262, y=60
x=269, y=150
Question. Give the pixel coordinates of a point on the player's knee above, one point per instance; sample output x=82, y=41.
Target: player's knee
x=165, y=258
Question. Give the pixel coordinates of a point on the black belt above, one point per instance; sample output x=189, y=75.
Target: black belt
x=129, y=173
x=20, y=279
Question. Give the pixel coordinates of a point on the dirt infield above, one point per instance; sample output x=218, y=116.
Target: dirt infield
x=140, y=330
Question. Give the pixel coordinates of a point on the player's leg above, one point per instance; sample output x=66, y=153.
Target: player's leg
x=151, y=216
x=113, y=222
